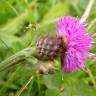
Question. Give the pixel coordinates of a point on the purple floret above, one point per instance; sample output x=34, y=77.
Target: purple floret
x=78, y=43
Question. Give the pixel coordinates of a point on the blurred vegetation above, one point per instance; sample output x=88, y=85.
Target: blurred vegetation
x=15, y=16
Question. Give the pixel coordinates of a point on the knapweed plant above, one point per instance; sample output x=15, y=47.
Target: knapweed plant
x=63, y=55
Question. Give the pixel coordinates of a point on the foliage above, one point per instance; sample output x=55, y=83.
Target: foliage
x=15, y=16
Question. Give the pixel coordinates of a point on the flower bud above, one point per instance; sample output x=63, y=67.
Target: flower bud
x=49, y=47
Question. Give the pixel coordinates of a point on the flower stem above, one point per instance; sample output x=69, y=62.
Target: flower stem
x=38, y=82
x=17, y=58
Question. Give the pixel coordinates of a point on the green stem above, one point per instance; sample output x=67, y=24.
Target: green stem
x=91, y=75
x=17, y=58
x=38, y=82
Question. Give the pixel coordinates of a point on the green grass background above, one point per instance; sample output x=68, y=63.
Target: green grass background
x=15, y=16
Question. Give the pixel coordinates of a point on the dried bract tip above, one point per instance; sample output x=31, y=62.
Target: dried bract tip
x=49, y=47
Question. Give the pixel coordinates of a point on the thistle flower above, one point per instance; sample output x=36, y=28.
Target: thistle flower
x=76, y=41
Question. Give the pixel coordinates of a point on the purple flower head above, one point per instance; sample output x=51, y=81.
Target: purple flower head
x=77, y=43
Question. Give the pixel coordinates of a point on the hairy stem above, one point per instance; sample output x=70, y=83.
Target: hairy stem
x=17, y=58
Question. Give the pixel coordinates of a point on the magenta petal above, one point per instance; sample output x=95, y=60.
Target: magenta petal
x=72, y=61
x=79, y=43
